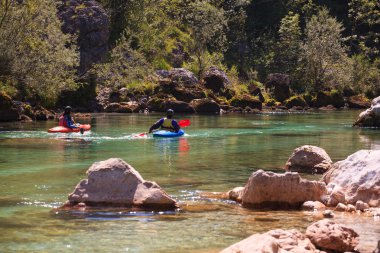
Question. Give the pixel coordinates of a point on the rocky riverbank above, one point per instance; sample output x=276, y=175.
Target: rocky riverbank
x=181, y=91
x=350, y=186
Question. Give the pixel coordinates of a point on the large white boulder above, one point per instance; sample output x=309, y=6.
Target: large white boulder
x=114, y=182
x=268, y=189
x=357, y=177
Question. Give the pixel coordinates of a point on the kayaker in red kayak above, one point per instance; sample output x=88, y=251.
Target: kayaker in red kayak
x=66, y=120
x=166, y=123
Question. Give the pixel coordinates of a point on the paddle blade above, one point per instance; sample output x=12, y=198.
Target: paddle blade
x=184, y=123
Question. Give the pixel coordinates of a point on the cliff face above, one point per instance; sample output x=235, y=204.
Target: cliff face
x=90, y=23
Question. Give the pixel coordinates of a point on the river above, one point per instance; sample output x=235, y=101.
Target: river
x=218, y=153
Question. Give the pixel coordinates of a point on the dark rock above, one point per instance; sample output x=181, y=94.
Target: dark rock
x=178, y=106
x=297, y=101
x=215, y=79
x=119, y=108
x=90, y=22
x=41, y=114
x=325, y=98
x=8, y=110
x=358, y=102
x=254, y=90
x=278, y=85
x=156, y=104
x=246, y=100
x=25, y=118
x=205, y=105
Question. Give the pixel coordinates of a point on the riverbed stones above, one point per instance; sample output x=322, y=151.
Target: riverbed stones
x=114, y=182
x=313, y=206
x=357, y=177
x=309, y=159
x=329, y=236
x=272, y=190
x=274, y=241
x=235, y=194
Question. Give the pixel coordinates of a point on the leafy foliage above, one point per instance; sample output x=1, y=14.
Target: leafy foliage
x=37, y=58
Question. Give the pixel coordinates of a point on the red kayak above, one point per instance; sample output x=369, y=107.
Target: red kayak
x=62, y=129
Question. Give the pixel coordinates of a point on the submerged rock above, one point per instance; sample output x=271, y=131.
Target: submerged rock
x=329, y=236
x=357, y=177
x=114, y=182
x=310, y=159
x=273, y=241
x=268, y=189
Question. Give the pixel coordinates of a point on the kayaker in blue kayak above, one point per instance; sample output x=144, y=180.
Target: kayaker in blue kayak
x=166, y=123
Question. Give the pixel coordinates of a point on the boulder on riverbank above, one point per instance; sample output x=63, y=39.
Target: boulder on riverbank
x=273, y=241
x=280, y=191
x=115, y=183
x=205, y=106
x=309, y=159
x=322, y=236
x=355, y=179
x=371, y=116
x=8, y=110
x=331, y=237
x=278, y=85
x=215, y=79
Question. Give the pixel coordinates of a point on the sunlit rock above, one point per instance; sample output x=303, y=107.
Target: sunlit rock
x=313, y=206
x=309, y=159
x=268, y=189
x=361, y=206
x=358, y=177
x=205, y=105
x=273, y=241
x=329, y=236
x=371, y=116
x=236, y=193
x=113, y=182
x=341, y=207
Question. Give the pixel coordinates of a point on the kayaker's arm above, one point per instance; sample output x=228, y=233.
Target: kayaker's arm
x=156, y=125
x=176, y=126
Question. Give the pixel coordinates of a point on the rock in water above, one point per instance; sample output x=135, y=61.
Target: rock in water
x=371, y=116
x=327, y=235
x=357, y=176
x=273, y=241
x=309, y=159
x=268, y=189
x=114, y=182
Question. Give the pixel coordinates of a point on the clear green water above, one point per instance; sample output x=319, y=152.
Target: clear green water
x=38, y=170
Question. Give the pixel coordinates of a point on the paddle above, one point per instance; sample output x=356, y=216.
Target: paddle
x=181, y=123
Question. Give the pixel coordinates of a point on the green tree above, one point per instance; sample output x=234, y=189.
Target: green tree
x=207, y=24
x=40, y=59
x=365, y=19
x=325, y=62
x=289, y=45
x=125, y=67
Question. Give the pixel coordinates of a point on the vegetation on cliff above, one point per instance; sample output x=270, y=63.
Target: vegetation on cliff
x=321, y=45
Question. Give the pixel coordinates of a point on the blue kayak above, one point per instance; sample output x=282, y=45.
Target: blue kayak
x=165, y=133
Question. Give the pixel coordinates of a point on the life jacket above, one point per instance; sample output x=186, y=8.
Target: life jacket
x=62, y=121
x=167, y=124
